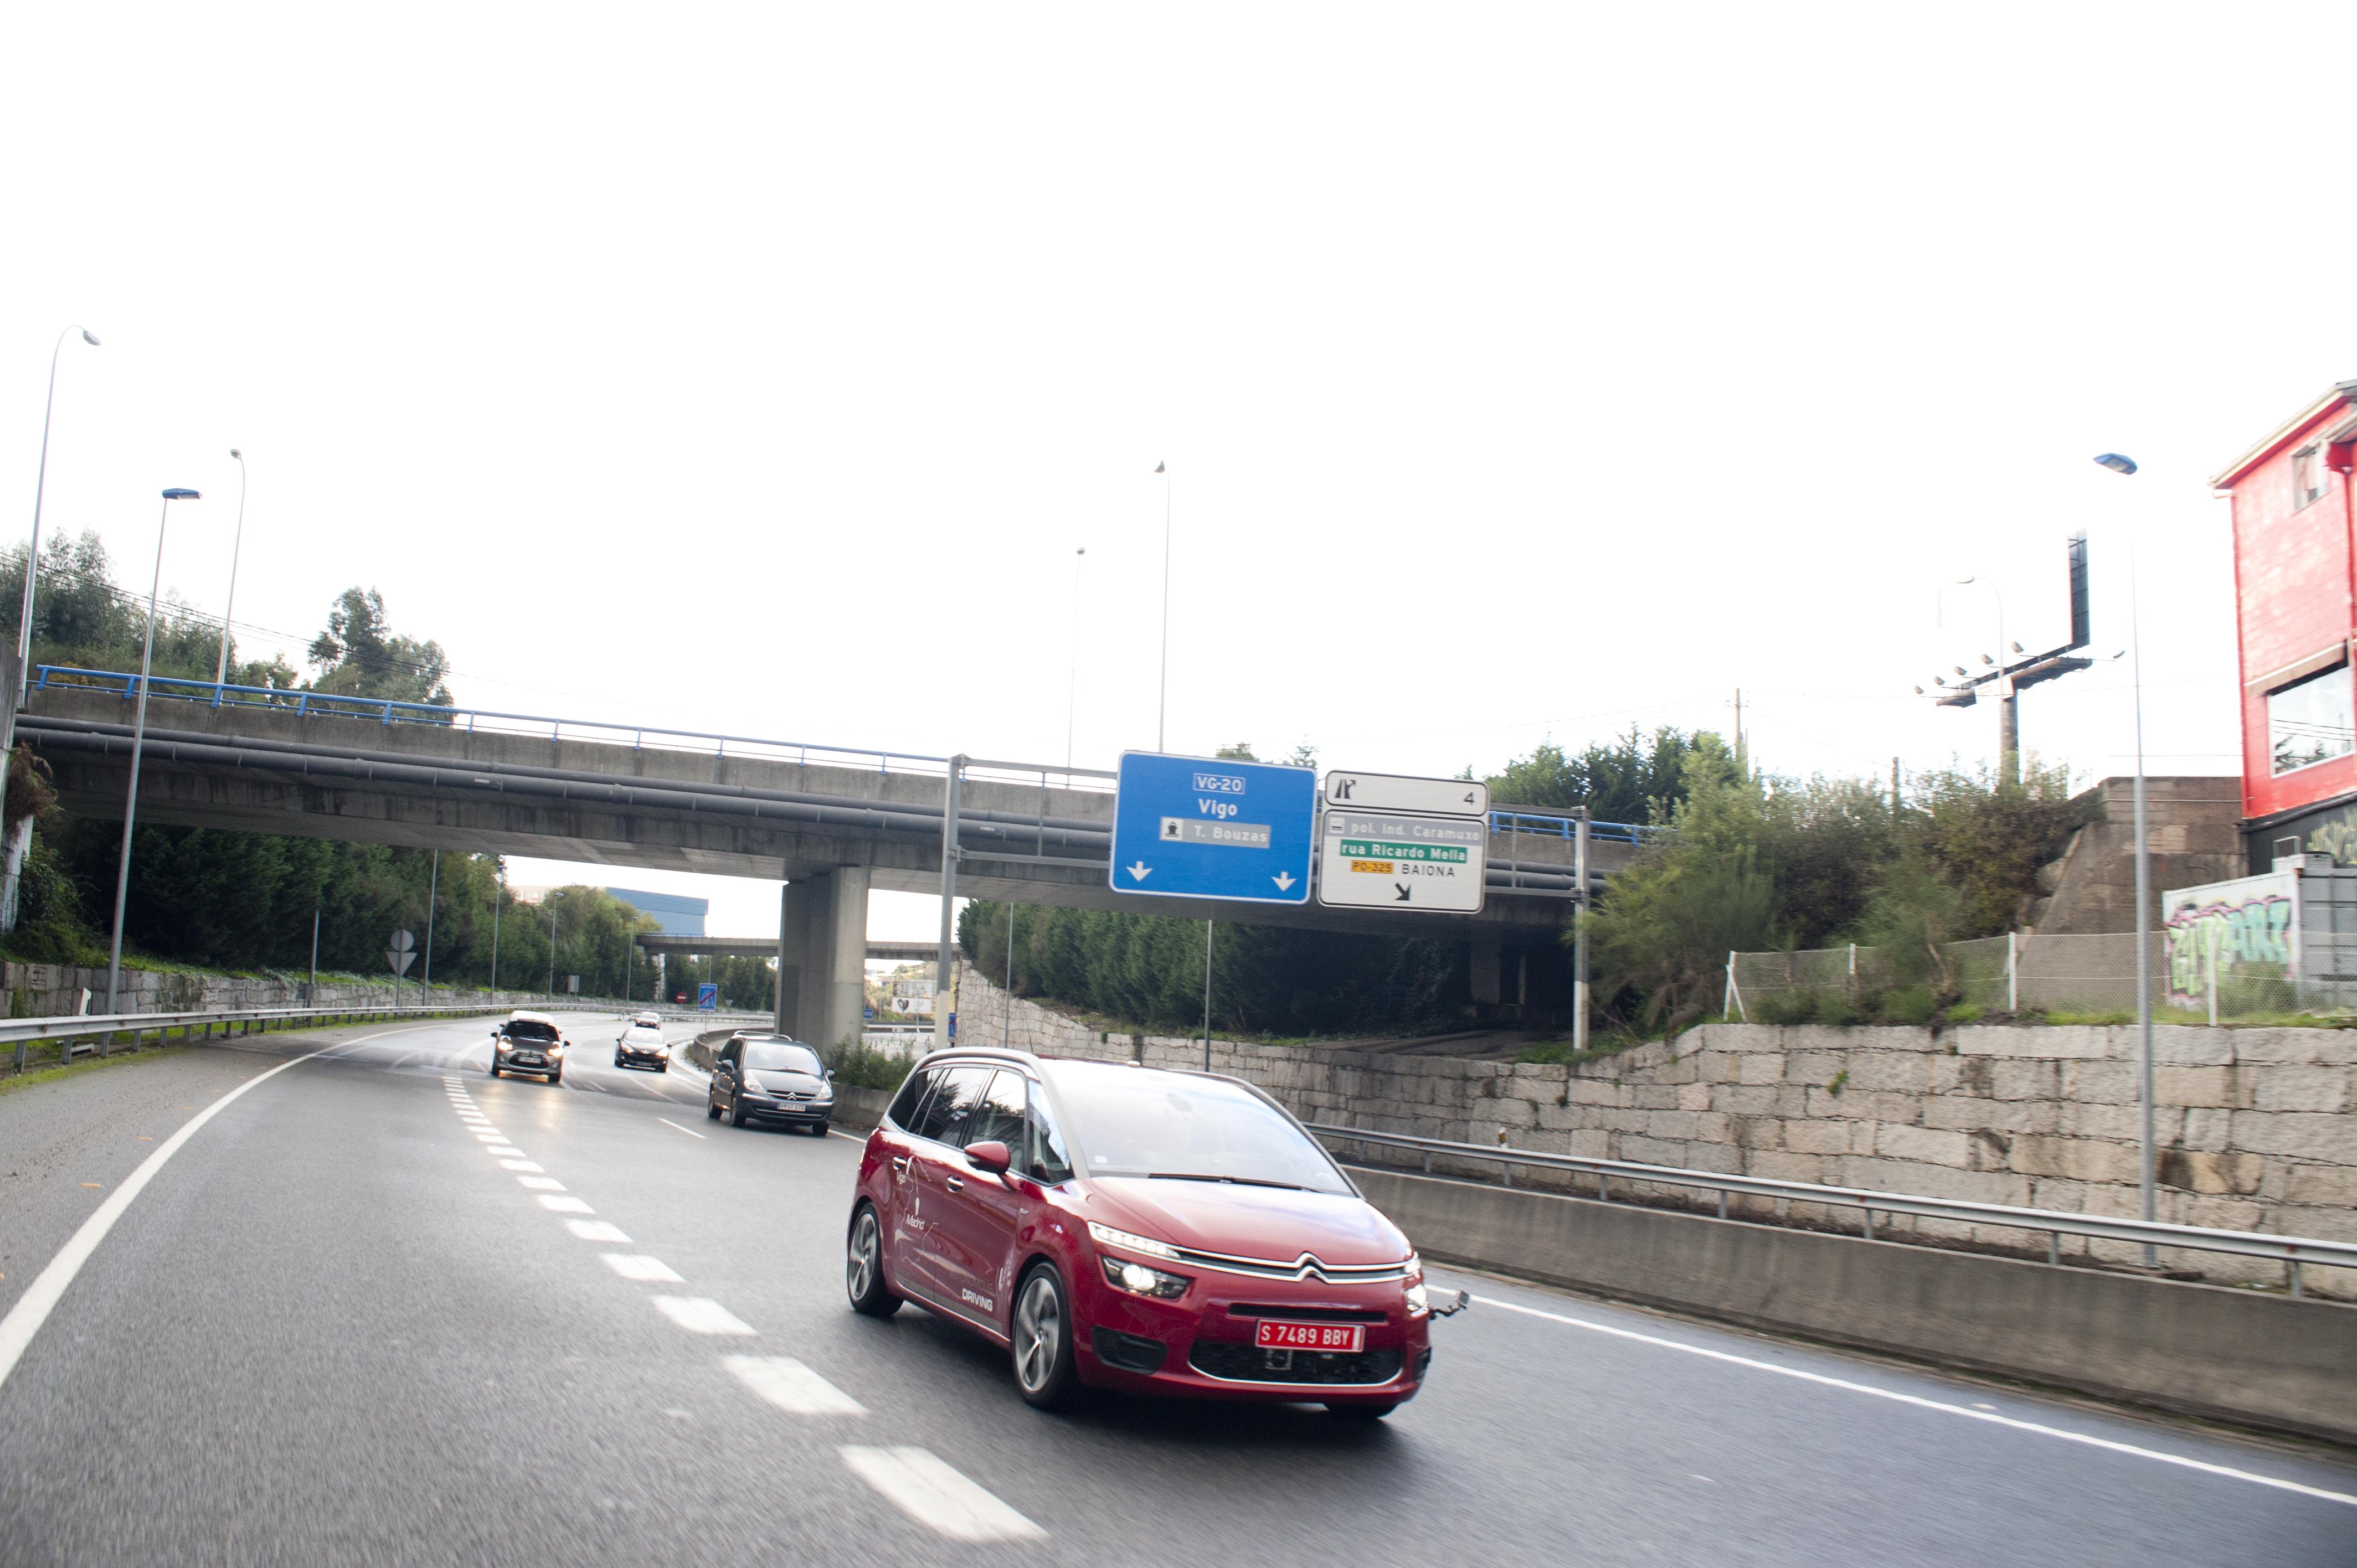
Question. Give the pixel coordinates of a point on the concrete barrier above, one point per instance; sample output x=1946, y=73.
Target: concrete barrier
x=860, y=1109
x=2212, y=1352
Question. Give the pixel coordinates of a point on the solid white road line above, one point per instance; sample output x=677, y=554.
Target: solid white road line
x=565, y=1204
x=677, y=1128
x=1967, y=1411
x=597, y=1230
x=700, y=1315
x=791, y=1387
x=542, y=1183
x=639, y=1266
x=937, y=1496
x=41, y=1297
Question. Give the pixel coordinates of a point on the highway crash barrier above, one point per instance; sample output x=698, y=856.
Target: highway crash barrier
x=2218, y=1352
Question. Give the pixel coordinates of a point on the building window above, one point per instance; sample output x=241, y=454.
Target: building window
x=2307, y=479
x=2312, y=721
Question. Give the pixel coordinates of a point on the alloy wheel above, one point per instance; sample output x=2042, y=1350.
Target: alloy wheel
x=860, y=1270
x=1038, y=1332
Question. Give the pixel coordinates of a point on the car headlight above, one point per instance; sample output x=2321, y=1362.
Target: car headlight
x=1139, y=1280
x=1106, y=1236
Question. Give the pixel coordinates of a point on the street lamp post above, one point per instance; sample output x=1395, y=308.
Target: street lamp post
x=40, y=486
x=237, y=544
x=138, y=742
x=2118, y=464
x=1072, y=692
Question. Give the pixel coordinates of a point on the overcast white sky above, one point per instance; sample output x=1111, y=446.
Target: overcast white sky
x=1523, y=373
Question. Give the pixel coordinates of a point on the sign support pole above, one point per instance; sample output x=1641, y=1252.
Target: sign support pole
x=1579, y=936
x=949, y=899
x=1208, y=928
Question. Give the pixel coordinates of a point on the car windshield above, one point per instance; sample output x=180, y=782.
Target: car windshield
x=1135, y=1123
x=780, y=1056
x=527, y=1029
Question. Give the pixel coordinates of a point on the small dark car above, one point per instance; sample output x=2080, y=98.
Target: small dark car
x=641, y=1044
x=529, y=1043
x=767, y=1077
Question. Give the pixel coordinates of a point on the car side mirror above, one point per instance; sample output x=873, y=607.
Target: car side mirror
x=990, y=1154
x=495, y=1034
x=830, y=1075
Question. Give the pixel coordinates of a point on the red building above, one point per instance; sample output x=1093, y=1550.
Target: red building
x=2296, y=609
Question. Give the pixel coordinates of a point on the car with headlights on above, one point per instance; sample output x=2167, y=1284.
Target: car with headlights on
x=641, y=1044
x=1128, y=1228
x=529, y=1043
x=771, y=1080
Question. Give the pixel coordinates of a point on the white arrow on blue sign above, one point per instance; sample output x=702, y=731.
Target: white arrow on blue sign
x=1187, y=828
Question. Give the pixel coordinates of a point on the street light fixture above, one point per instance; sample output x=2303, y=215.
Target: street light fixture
x=221, y=670
x=138, y=741
x=40, y=486
x=2118, y=464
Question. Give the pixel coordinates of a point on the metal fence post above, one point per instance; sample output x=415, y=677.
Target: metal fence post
x=2212, y=926
x=2012, y=971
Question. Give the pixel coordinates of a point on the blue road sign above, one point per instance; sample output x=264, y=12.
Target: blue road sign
x=1187, y=828
x=708, y=996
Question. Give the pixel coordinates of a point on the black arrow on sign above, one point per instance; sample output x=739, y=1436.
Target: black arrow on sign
x=1403, y=894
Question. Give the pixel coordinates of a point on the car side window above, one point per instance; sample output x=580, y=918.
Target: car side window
x=1048, y=1161
x=906, y=1104
x=999, y=1117
x=952, y=1105
x=728, y=1053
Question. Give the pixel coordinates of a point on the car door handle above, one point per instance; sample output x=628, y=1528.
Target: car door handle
x=955, y=1184
x=899, y=1165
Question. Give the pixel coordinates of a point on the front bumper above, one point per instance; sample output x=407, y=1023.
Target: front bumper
x=531, y=1062
x=642, y=1059
x=1206, y=1340
x=795, y=1113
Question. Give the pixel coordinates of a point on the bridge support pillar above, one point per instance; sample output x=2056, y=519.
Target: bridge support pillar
x=846, y=990
x=822, y=953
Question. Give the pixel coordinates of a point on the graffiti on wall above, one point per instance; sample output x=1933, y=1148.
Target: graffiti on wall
x=2337, y=838
x=2249, y=927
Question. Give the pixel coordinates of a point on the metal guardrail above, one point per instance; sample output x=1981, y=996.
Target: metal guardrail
x=2290, y=1251
x=385, y=712
x=1542, y=824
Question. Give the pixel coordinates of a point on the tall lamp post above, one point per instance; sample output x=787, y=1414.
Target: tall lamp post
x=138, y=742
x=2118, y=464
x=1072, y=692
x=40, y=486
x=221, y=670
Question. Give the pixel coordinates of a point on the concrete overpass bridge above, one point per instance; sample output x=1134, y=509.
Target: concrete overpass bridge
x=835, y=823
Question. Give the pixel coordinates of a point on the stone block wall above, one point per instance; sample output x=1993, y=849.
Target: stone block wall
x=51, y=990
x=2256, y=1129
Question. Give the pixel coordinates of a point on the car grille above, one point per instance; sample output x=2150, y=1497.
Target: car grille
x=1307, y=1266
x=1250, y=1364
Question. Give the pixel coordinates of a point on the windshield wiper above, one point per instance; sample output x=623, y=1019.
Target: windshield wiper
x=1238, y=1180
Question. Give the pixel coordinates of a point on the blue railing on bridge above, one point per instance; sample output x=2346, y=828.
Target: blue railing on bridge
x=485, y=721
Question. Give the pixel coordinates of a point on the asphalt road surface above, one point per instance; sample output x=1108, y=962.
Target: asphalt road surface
x=377, y=1308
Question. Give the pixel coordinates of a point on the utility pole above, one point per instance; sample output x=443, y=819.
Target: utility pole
x=311, y=997
x=1162, y=703
x=949, y=902
x=1006, y=1028
x=1741, y=766
x=552, y=944
x=1894, y=787
x=499, y=896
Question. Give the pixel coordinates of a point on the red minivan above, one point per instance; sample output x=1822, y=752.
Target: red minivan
x=1129, y=1227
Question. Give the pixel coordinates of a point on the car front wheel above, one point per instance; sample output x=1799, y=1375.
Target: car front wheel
x=711, y=1109
x=1044, y=1368
x=863, y=1267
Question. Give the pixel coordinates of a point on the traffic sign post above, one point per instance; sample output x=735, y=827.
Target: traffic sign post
x=708, y=996
x=1387, y=842
x=1184, y=827
x=400, y=952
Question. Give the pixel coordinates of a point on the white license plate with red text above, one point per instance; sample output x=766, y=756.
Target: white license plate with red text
x=1347, y=1337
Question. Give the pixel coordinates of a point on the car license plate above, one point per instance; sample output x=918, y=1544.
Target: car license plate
x=1347, y=1337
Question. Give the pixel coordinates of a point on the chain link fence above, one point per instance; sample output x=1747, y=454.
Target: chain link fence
x=2195, y=978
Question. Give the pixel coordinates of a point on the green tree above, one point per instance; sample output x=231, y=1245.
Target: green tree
x=360, y=655
x=1635, y=779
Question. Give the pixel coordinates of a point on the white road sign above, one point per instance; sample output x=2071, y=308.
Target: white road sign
x=1382, y=860
x=1391, y=792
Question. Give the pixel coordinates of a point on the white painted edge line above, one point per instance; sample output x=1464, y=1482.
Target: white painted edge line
x=928, y=1490
x=41, y=1297
x=677, y=1128
x=700, y=1315
x=854, y=1137
x=1922, y=1403
x=641, y=1266
x=598, y=1231
x=790, y=1386
x=566, y=1205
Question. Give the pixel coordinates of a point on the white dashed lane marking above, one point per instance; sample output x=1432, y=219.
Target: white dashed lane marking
x=791, y=1387
x=565, y=1204
x=542, y=1183
x=639, y=1266
x=677, y=1128
x=518, y=1165
x=598, y=1231
x=700, y=1315
x=928, y=1490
